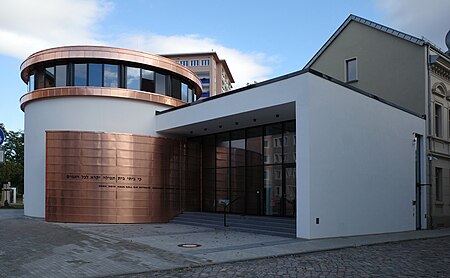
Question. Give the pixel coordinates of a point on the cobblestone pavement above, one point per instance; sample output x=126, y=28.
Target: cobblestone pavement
x=34, y=248
x=31, y=247
x=416, y=258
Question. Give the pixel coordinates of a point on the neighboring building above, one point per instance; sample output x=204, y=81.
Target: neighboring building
x=113, y=136
x=214, y=73
x=409, y=72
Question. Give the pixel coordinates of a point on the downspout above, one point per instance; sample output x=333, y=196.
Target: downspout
x=430, y=138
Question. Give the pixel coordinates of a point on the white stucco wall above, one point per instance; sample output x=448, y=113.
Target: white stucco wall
x=356, y=170
x=355, y=155
x=80, y=113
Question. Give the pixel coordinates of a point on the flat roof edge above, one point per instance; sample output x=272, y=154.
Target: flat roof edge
x=293, y=74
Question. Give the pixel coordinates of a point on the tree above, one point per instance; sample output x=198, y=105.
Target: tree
x=12, y=169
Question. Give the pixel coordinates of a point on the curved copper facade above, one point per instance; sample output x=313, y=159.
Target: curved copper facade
x=107, y=53
x=99, y=92
x=118, y=178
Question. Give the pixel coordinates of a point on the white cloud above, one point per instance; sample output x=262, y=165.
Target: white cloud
x=28, y=26
x=245, y=67
x=430, y=19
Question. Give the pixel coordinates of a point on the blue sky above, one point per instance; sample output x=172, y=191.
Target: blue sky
x=259, y=39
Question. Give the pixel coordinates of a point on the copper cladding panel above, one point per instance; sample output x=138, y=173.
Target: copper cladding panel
x=99, y=92
x=116, y=178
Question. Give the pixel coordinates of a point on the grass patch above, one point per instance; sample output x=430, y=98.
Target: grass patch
x=13, y=206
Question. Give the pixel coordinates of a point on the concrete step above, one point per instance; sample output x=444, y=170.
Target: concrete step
x=284, y=227
x=240, y=218
x=254, y=226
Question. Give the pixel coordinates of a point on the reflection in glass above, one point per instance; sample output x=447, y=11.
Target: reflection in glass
x=111, y=76
x=254, y=146
x=80, y=74
x=209, y=189
x=290, y=194
x=237, y=148
x=61, y=76
x=273, y=135
x=95, y=75
x=184, y=92
x=209, y=151
x=133, y=78
x=176, y=88
x=148, y=81
x=222, y=150
x=190, y=95
x=40, y=78
x=237, y=189
x=272, y=189
x=222, y=183
x=288, y=142
x=236, y=157
x=160, y=83
x=49, y=77
x=31, y=83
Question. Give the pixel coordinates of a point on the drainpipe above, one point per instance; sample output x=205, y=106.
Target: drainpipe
x=430, y=139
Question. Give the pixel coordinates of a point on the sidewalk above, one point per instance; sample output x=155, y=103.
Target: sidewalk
x=37, y=248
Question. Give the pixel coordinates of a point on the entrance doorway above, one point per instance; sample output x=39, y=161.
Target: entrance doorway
x=279, y=192
x=250, y=171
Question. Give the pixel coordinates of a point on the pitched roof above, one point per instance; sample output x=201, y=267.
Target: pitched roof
x=369, y=23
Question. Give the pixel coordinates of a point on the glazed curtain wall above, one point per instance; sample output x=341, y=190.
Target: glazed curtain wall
x=114, y=76
x=119, y=178
x=253, y=168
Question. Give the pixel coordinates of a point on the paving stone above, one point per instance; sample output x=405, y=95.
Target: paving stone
x=31, y=247
x=414, y=258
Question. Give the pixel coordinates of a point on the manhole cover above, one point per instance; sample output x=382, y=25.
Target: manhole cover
x=189, y=245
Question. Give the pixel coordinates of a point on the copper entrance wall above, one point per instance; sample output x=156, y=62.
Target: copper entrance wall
x=119, y=178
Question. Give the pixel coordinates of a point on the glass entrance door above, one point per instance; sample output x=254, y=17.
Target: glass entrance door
x=279, y=190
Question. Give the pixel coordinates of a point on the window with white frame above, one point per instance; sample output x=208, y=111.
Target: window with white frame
x=184, y=63
x=351, y=70
x=205, y=63
x=194, y=63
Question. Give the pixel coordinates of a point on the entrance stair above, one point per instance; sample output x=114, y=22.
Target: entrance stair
x=268, y=225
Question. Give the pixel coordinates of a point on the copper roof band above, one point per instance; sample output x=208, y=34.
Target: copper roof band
x=109, y=53
x=99, y=92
